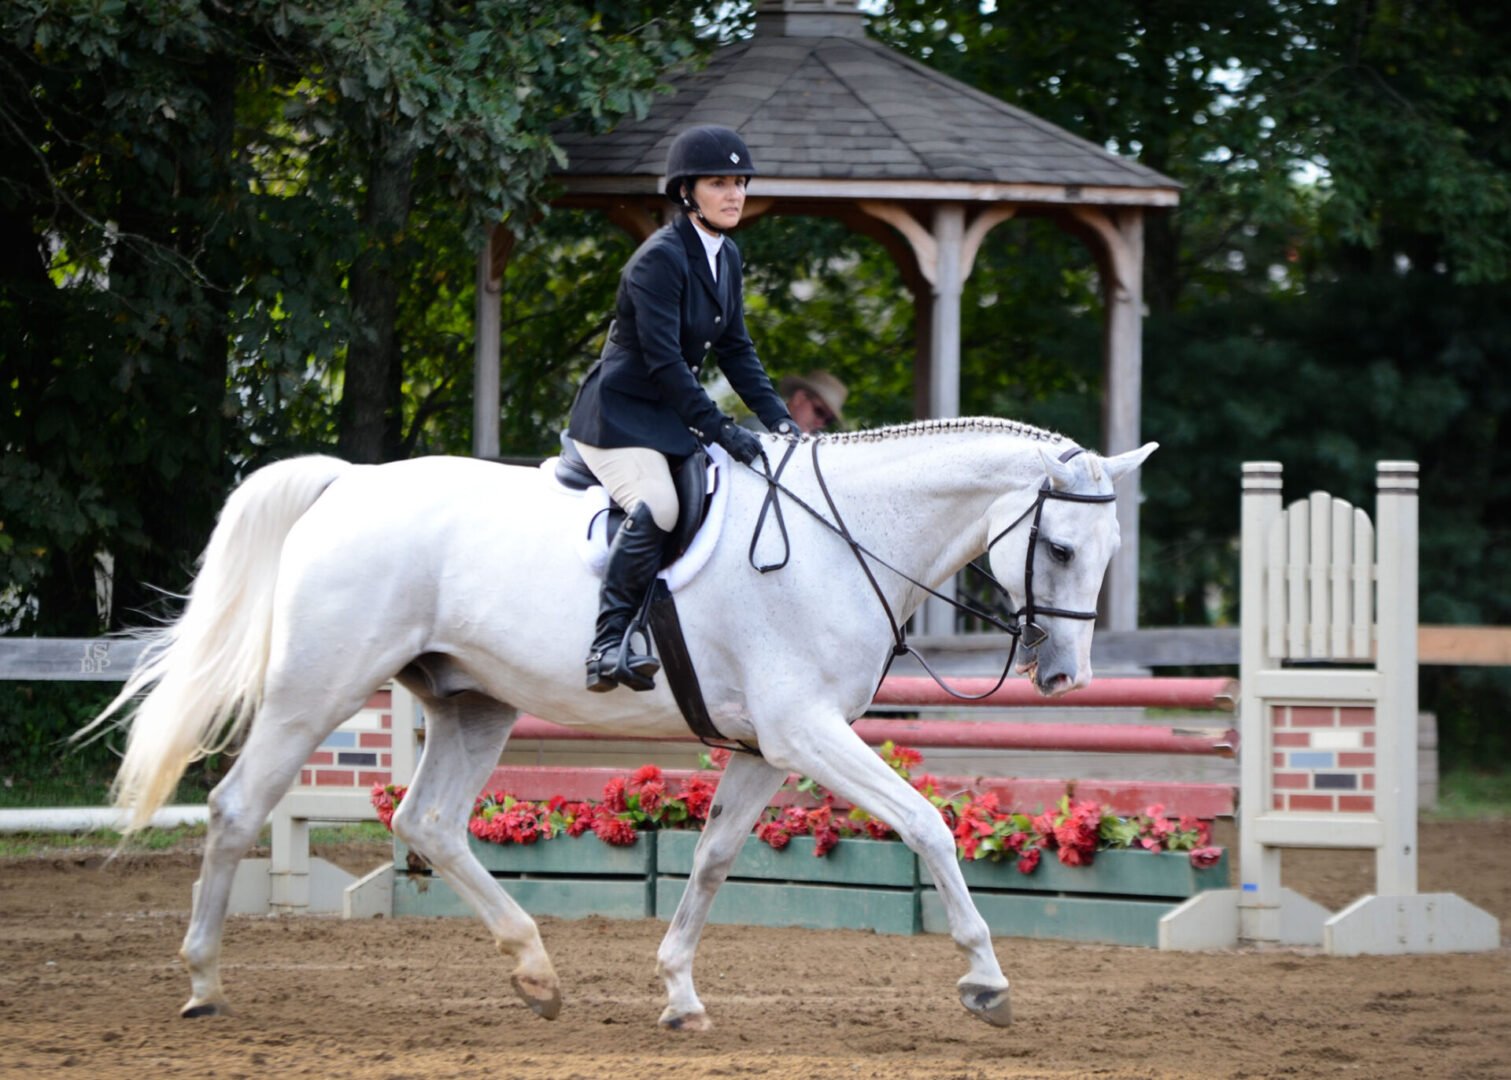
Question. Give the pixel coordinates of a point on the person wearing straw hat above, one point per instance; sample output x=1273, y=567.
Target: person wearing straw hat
x=641, y=408
x=815, y=400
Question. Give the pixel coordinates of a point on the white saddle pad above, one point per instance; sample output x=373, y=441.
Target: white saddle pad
x=592, y=537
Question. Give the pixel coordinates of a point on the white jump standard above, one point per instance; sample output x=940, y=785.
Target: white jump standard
x=1328, y=719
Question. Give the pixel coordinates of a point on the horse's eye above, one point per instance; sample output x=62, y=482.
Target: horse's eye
x=1061, y=553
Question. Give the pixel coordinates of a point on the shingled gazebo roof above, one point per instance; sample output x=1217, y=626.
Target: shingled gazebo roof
x=846, y=107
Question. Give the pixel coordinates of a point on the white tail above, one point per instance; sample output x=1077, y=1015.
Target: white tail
x=206, y=669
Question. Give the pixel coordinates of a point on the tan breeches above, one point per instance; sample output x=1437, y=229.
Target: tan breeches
x=633, y=475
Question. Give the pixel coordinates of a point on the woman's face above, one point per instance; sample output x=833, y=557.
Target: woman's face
x=721, y=198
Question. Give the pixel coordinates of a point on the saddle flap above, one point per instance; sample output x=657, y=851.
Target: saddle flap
x=690, y=477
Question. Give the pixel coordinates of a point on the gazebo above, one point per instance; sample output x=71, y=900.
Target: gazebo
x=843, y=127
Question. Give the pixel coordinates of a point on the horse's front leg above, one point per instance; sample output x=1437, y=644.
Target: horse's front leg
x=746, y=787
x=831, y=753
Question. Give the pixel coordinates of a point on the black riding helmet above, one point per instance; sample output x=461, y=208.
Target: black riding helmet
x=706, y=150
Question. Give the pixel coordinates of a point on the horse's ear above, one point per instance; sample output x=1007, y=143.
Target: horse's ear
x=1123, y=464
x=1061, y=475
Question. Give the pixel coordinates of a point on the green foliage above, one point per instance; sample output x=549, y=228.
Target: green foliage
x=190, y=204
x=1468, y=794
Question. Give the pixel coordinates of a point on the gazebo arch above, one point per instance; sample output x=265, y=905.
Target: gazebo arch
x=844, y=127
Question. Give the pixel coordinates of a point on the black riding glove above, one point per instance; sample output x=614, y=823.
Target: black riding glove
x=787, y=428
x=742, y=445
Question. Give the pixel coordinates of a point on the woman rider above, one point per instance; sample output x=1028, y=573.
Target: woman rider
x=641, y=408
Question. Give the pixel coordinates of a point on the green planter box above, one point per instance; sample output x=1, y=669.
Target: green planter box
x=860, y=885
x=1117, y=900
x=1166, y=874
x=584, y=855
x=851, y=862
x=568, y=877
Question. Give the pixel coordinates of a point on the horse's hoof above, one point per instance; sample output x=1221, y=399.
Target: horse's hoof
x=671, y=1020
x=542, y=995
x=195, y=1009
x=984, y=1003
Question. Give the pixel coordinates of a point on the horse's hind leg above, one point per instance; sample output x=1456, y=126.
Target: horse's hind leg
x=282, y=738
x=746, y=787
x=463, y=738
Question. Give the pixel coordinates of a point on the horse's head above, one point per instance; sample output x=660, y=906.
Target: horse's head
x=1052, y=558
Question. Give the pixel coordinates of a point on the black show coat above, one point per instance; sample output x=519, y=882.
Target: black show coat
x=669, y=313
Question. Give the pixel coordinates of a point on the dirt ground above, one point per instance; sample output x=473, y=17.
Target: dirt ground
x=90, y=987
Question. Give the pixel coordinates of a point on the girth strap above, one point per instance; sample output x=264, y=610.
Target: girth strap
x=677, y=667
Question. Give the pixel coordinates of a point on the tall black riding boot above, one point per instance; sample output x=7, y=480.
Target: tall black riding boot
x=634, y=558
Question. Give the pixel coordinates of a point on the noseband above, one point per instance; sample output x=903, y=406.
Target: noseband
x=1024, y=626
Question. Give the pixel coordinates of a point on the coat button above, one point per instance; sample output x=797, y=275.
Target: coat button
x=708, y=344
x=718, y=318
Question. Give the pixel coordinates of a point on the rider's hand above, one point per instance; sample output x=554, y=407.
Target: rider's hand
x=742, y=445
x=787, y=428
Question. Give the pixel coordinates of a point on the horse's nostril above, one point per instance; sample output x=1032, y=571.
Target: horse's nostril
x=1058, y=684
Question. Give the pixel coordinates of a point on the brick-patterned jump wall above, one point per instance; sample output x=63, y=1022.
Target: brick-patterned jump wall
x=358, y=754
x=1324, y=758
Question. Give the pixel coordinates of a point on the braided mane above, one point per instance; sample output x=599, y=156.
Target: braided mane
x=944, y=426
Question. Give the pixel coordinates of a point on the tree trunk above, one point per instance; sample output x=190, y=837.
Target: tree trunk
x=1162, y=276
x=371, y=418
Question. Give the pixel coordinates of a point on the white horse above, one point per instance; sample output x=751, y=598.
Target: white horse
x=462, y=579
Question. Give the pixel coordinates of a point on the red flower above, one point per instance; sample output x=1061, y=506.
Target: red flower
x=520, y=824
x=719, y=756
x=612, y=829
x=652, y=794
x=478, y=828
x=1076, y=855
x=879, y=830
x=1077, y=838
x=385, y=802
x=925, y=783
x=1029, y=860
x=1044, y=827
x=1017, y=841
x=1203, y=857
x=613, y=795
x=1157, y=810
x=795, y=820
x=906, y=756
x=824, y=839
x=699, y=796
x=645, y=774
x=771, y=832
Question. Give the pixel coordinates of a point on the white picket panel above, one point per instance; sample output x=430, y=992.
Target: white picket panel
x=1319, y=556
x=1364, y=586
x=1340, y=579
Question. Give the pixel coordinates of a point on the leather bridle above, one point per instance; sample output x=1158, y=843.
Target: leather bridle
x=1026, y=616
x=1024, y=626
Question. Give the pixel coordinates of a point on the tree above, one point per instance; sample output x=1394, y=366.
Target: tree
x=208, y=227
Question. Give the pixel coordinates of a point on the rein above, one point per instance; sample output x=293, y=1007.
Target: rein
x=1024, y=619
